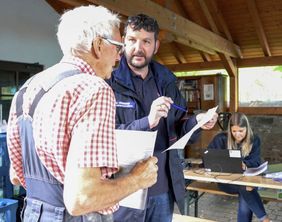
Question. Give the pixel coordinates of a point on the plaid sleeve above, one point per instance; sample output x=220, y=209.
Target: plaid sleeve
x=94, y=133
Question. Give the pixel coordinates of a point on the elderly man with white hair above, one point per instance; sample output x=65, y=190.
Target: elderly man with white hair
x=61, y=137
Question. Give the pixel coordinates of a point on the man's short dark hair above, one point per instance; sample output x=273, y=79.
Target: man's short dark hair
x=142, y=21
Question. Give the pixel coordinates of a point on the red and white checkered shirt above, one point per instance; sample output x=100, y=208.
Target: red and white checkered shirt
x=78, y=111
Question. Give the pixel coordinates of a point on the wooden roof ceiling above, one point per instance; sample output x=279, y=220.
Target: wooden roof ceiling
x=207, y=34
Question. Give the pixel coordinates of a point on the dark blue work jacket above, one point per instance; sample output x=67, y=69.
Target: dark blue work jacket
x=131, y=115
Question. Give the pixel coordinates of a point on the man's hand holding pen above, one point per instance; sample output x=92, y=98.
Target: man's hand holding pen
x=159, y=109
x=163, y=104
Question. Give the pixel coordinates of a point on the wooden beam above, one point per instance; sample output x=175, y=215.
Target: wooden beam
x=177, y=53
x=258, y=26
x=240, y=63
x=233, y=106
x=226, y=60
x=75, y=3
x=219, y=18
x=194, y=45
x=57, y=6
x=168, y=4
x=261, y=61
x=208, y=16
x=172, y=36
x=180, y=9
x=196, y=66
x=166, y=37
x=206, y=57
x=182, y=28
x=158, y=58
x=261, y=110
x=229, y=65
x=183, y=12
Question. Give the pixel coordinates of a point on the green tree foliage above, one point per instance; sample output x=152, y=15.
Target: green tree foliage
x=278, y=68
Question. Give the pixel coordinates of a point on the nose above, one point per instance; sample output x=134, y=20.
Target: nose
x=138, y=45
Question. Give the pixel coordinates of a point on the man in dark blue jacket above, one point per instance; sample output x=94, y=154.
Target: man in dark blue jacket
x=145, y=91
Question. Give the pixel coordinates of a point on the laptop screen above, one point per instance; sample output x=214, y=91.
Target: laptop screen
x=223, y=161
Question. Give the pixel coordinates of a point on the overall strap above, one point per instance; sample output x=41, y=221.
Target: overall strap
x=37, y=177
x=61, y=70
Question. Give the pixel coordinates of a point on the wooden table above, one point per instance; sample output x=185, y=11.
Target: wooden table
x=228, y=178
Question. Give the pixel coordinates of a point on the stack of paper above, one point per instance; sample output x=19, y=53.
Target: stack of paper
x=133, y=146
x=276, y=175
x=257, y=170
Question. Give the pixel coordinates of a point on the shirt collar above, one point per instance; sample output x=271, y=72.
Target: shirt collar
x=149, y=75
x=83, y=66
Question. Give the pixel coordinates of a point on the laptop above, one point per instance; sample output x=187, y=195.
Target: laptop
x=222, y=160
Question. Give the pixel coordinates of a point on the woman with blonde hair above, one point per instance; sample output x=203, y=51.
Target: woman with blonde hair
x=239, y=136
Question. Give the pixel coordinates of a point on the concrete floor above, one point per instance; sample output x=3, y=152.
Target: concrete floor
x=224, y=209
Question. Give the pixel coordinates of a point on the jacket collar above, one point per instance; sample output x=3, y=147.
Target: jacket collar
x=123, y=74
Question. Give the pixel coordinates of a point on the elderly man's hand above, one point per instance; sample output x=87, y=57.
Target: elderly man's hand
x=145, y=172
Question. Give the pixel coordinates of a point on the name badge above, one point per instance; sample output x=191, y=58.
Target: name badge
x=125, y=104
x=235, y=153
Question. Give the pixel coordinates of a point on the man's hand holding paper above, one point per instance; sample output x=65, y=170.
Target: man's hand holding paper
x=205, y=121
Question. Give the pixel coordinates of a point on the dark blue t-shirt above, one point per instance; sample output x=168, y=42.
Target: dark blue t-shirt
x=147, y=91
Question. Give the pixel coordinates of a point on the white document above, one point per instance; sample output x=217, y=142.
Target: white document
x=133, y=146
x=275, y=175
x=257, y=170
x=181, y=143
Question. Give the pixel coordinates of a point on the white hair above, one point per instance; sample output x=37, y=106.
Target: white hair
x=80, y=26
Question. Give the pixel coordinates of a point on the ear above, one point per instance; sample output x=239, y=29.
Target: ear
x=97, y=47
x=157, y=47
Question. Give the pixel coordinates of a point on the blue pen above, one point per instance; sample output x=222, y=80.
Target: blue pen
x=176, y=106
x=179, y=108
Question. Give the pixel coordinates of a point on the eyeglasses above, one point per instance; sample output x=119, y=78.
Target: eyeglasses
x=119, y=46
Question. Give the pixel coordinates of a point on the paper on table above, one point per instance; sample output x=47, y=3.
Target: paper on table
x=133, y=146
x=257, y=170
x=181, y=143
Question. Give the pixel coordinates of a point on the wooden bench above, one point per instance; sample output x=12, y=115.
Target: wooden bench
x=184, y=218
x=212, y=188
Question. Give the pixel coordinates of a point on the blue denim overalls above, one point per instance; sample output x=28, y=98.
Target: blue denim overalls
x=44, y=193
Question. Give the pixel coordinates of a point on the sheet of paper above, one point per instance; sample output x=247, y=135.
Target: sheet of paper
x=257, y=170
x=181, y=143
x=133, y=146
